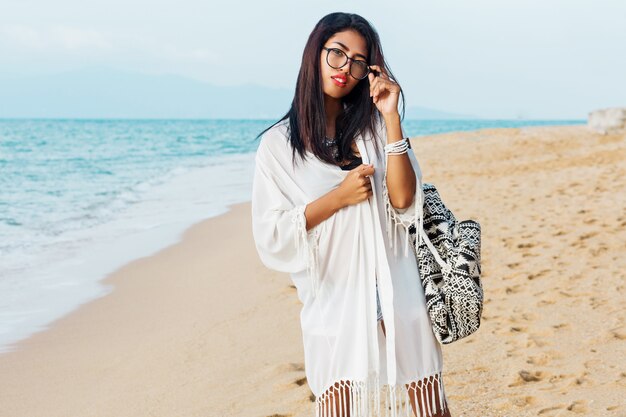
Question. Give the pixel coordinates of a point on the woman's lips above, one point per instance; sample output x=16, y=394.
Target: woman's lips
x=340, y=84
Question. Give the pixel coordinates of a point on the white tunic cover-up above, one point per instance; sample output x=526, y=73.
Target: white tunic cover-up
x=334, y=267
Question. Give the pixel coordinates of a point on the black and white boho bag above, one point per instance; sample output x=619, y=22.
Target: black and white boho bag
x=448, y=258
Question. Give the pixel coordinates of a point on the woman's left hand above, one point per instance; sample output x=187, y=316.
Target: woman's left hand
x=384, y=90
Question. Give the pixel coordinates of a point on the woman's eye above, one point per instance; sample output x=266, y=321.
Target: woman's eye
x=337, y=52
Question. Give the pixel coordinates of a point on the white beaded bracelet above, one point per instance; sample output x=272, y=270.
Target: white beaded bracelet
x=397, y=148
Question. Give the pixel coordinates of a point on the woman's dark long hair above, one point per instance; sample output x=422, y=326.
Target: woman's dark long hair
x=307, y=115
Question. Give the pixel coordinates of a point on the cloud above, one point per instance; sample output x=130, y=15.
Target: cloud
x=76, y=38
x=21, y=35
x=55, y=37
x=76, y=41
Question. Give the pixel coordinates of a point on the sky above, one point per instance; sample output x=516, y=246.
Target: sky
x=530, y=59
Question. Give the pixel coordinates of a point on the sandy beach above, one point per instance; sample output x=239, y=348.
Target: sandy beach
x=202, y=328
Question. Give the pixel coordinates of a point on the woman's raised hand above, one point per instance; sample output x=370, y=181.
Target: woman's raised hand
x=384, y=91
x=357, y=185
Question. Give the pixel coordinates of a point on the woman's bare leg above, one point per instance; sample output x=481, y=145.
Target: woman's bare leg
x=413, y=390
x=414, y=393
x=337, y=397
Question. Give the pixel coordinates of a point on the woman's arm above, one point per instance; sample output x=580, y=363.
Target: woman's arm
x=401, y=181
x=355, y=188
x=321, y=209
x=400, y=174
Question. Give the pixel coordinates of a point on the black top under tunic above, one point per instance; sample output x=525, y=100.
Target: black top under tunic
x=355, y=161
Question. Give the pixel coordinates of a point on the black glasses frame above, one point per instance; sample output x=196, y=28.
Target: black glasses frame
x=347, y=59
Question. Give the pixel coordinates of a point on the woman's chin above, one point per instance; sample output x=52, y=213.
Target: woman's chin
x=336, y=94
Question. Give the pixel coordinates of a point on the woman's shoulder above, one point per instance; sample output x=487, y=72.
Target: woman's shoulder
x=275, y=138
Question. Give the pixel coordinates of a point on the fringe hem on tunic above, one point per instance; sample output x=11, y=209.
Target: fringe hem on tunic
x=370, y=399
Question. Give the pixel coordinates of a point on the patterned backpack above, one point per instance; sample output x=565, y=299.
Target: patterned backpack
x=448, y=258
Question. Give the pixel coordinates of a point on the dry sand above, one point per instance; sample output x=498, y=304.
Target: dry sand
x=202, y=328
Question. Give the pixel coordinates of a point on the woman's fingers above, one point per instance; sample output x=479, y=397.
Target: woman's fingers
x=374, y=92
x=365, y=169
x=373, y=85
x=381, y=83
x=380, y=71
x=378, y=83
x=378, y=87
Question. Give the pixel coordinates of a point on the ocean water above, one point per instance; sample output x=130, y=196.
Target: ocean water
x=80, y=198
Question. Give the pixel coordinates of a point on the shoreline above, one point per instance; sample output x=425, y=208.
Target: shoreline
x=159, y=304
x=202, y=328
x=168, y=236
x=70, y=270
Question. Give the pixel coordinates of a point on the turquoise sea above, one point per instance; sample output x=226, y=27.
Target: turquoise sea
x=79, y=198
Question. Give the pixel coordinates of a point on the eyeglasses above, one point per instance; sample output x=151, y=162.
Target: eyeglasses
x=337, y=58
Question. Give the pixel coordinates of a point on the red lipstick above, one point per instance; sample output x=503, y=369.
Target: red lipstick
x=339, y=80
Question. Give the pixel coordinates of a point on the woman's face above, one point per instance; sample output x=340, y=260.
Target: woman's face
x=353, y=44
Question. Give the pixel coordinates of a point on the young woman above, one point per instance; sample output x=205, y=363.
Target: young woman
x=334, y=183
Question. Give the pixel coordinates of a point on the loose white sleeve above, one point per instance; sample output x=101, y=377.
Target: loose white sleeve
x=279, y=225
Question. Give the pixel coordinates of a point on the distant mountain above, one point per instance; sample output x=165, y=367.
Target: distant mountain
x=109, y=93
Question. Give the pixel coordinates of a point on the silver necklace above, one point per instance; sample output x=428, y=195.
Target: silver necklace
x=332, y=143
